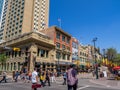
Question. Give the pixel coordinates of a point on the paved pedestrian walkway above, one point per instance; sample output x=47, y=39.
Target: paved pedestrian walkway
x=105, y=82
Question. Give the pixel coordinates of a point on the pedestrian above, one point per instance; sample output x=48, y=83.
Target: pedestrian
x=4, y=77
x=34, y=77
x=16, y=76
x=42, y=79
x=105, y=73
x=72, y=79
x=13, y=75
x=93, y=73
x=47, y=77
x=30, y=75
x=64, y=78
x=53, y=77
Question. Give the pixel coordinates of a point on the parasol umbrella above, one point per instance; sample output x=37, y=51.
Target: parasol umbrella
x=116, y=68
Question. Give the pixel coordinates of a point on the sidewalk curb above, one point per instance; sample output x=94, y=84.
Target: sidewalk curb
x=92, y=81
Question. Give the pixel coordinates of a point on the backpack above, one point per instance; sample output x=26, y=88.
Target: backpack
x=71, y=79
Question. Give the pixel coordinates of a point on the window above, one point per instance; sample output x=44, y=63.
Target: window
x=20, y=53
x=63, y=56
x=58, y=35
x=20, y=26
x=42, y=53
x=19, y=30
x=63, y=38
x=15, y=54
x=68, y=57
x=46, y=54
x=58, y=55
x=58, y=45
x=68, y=40
x=68, y=48
x=63, y=46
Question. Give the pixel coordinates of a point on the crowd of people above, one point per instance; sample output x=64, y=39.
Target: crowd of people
x=69, y=77
x=45, y=77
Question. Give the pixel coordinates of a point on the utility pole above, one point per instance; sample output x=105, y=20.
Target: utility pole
x=96, y=64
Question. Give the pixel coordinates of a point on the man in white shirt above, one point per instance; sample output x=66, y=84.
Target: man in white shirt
x=34, y=77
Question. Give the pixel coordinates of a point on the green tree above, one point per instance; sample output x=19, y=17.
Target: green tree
x=3, y=58
x=117, y=59
x=111, y=54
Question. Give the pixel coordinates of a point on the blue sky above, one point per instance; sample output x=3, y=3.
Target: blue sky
x=86, y=19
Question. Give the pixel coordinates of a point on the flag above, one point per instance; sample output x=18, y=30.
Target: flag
x=59, y=19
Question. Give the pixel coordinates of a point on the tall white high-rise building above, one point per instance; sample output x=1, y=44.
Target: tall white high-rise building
x=22, y=16
x=1, y=6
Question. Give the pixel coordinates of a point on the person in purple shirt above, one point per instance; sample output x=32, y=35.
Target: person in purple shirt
x=72, y=79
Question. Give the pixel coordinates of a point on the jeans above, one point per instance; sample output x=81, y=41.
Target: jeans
x=4, y=79
x=72, y=87
x=64, y=83
x=47, y=79
x=42, y=83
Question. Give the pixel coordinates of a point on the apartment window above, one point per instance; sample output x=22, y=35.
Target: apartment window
x=46, y=54
x=19, y=30
x=16, y=23
x=58, y=45
x=42, y=53
x=68, y=57
x=68, y=48
x=58, y=35
x=18, y=14
x=20, y=21
x=63, y=46
x=20, y=26
x=22, y=8
x=22, y=12
x=68, y=40
x=13, y=29
x=63, y=38
x=21, y=17
x=58, y=55
x=63, y=56
x=80, y=53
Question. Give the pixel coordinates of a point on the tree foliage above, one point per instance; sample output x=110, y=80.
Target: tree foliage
x=117, y=59
x=3, y=58
x=111, y=54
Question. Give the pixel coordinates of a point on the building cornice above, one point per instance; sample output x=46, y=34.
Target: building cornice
x=27, y=38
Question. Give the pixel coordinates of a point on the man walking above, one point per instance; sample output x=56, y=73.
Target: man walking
x=4, y=77
x=64, y=77
x=35, y=77
x=47, y=77
x=72, y=79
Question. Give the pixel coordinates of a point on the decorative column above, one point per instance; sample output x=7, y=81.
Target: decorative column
x=41, y=66
x=33, y=54
x=16, y=66
x=9, y=66
x=13, y=66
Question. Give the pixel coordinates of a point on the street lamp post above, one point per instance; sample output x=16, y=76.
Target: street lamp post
x=58, y=66
x=96, y=64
